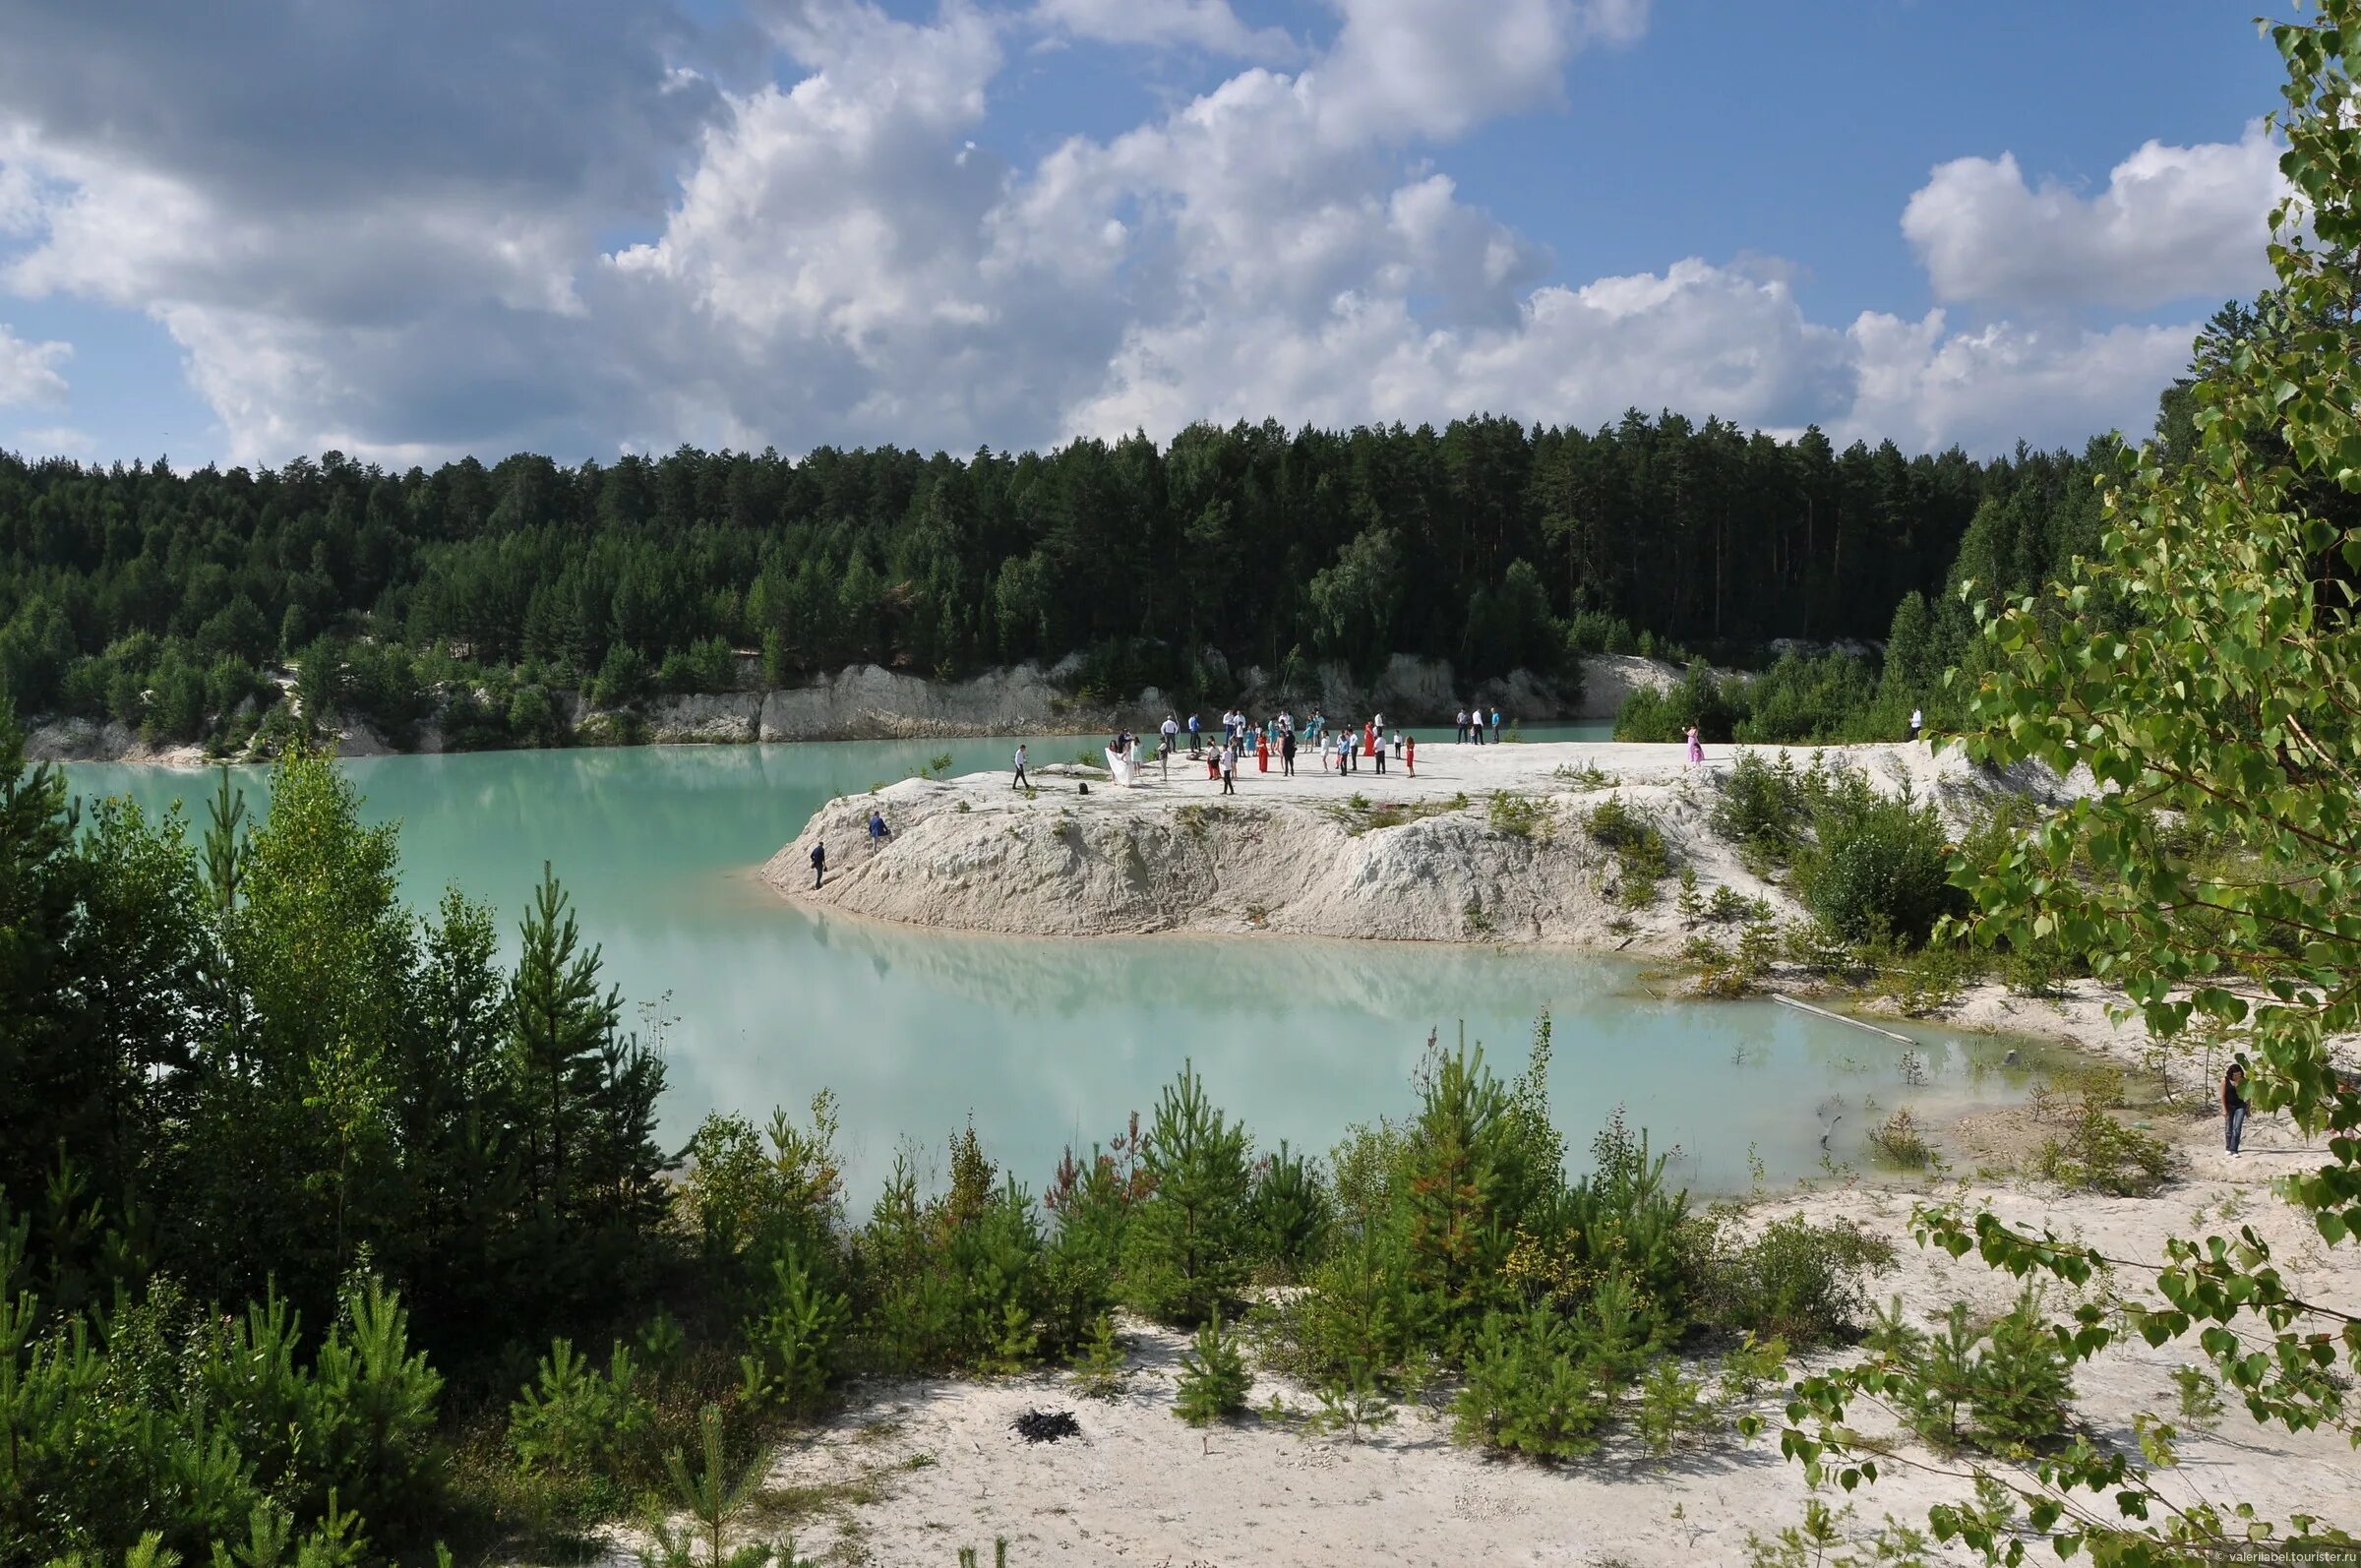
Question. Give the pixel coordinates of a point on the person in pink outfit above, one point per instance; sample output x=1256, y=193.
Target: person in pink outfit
x=1696, y=748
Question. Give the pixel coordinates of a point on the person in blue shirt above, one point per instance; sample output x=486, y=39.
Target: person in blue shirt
x=878, y=830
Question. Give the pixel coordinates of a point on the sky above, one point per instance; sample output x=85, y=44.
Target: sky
x=585, y=227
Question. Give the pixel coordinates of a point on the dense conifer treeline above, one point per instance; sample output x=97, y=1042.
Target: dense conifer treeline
x=158, y=597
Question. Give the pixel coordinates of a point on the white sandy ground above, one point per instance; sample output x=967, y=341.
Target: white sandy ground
x=936, y=1467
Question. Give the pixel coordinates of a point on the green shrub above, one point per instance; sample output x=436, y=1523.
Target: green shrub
x=1641, y=854
x=1796, y=1280
x=622, y=676
x=1899, y=1140
x=1530, y=1389
x=1480, y=1163
x=1764, y=806
x=2024, y=1391
x=1354, y=1308
x=1672, y=1408
x=1617, y=824
x=1701, y=698
x=1353, y=1401
x=1214, y=1382
x=575, y=1421
x=2006, y=1387
x=751, y=1198
x=1520, y=816
x=161, y=1420
x=533, y=718
x=1876, y=862
x=1102, y=1371
x=1288, y=1214
x=2099, y=1154
x=793, y=1342
x=967, y=1280
x=2200, y=1395
x=1188, y=1245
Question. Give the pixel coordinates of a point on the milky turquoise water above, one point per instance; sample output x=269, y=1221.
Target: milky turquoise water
x=1045, y=1042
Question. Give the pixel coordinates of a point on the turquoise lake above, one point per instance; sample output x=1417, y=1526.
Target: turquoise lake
x=1050, y=1043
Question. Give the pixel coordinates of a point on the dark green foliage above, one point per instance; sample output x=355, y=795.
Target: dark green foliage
x=158, y=1418
x=1214, y=1381
x=1672, y=1408
x=1765, y=806
x=2005, y=1386
x=583, y=1429
x=1288, y=1213
x=1102, y=1373
x=1477, y=1166
x=1532, y=1388
x=2099, y=1154
x=792, y=1341
x=243, y=1072
x=1796, y=1280
x=1876, y=863
x=1701, y=698
x=1641, y=858
x=1483, y=542
x=1188, y=1245
x=1353, y=1402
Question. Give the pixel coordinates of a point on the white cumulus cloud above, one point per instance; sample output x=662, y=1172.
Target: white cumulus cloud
x=834, y=252
x=1985, y=388
x=29, y=371
x=1208, y=25
x=2174, y=222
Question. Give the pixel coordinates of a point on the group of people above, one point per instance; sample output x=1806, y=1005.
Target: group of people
x=1282, y=737
x=1471, y=725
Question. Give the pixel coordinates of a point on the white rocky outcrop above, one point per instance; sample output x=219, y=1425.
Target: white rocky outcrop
x=1313, y=855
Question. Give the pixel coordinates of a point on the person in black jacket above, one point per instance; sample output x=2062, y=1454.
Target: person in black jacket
x=820, y=865
x=2233, y=1106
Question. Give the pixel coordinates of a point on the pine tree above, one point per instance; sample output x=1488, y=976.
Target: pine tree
x=1185, y=1248
x=1214, y=1380
x=560, y=1029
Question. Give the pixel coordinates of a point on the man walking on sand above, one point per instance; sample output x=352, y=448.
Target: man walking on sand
x=1020, y=783
x=820, y=865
